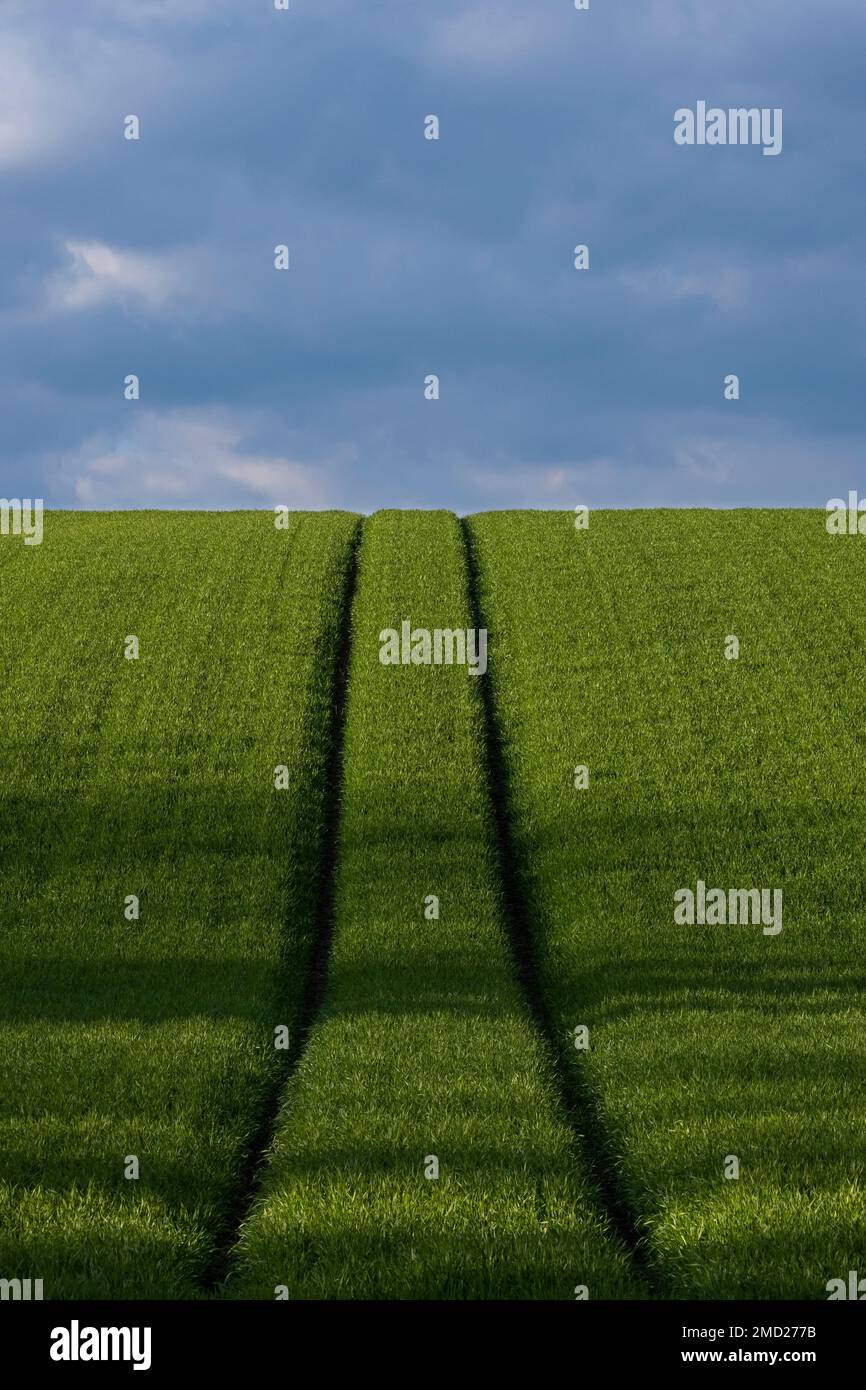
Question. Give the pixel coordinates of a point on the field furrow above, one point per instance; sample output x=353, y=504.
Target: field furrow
x=422, y=1149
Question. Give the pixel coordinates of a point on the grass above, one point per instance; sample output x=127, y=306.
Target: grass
x=423, y=1035
x=606, y=649
x=424, y=1045
x=155, y=778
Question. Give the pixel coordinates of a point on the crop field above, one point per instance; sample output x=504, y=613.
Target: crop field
x=152, y=1037
x=424, y=1049
x=343, y=958
x=705, y=1041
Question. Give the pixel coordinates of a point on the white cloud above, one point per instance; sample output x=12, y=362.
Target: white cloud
x=67, y=81
x=34, y=114
x=192, y=458
x=272, y=477
x=98, y=274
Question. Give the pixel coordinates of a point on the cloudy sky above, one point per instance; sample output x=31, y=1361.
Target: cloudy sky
x=410, y=257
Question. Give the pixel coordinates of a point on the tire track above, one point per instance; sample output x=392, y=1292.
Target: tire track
x=581, y=1105
x=256, y=1163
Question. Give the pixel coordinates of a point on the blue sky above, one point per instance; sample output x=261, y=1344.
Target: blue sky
x=411, y=257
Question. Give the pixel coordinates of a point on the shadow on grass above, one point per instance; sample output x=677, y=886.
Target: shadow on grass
x=621, y=977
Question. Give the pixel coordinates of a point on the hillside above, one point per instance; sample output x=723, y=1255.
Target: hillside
x=312, y=886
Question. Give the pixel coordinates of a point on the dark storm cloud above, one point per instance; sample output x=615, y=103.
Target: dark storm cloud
x=412, y=257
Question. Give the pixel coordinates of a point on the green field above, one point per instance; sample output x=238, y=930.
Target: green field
x=306, y=1171
x=705, y=1041
x=424, y=1048
x=155, y=778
